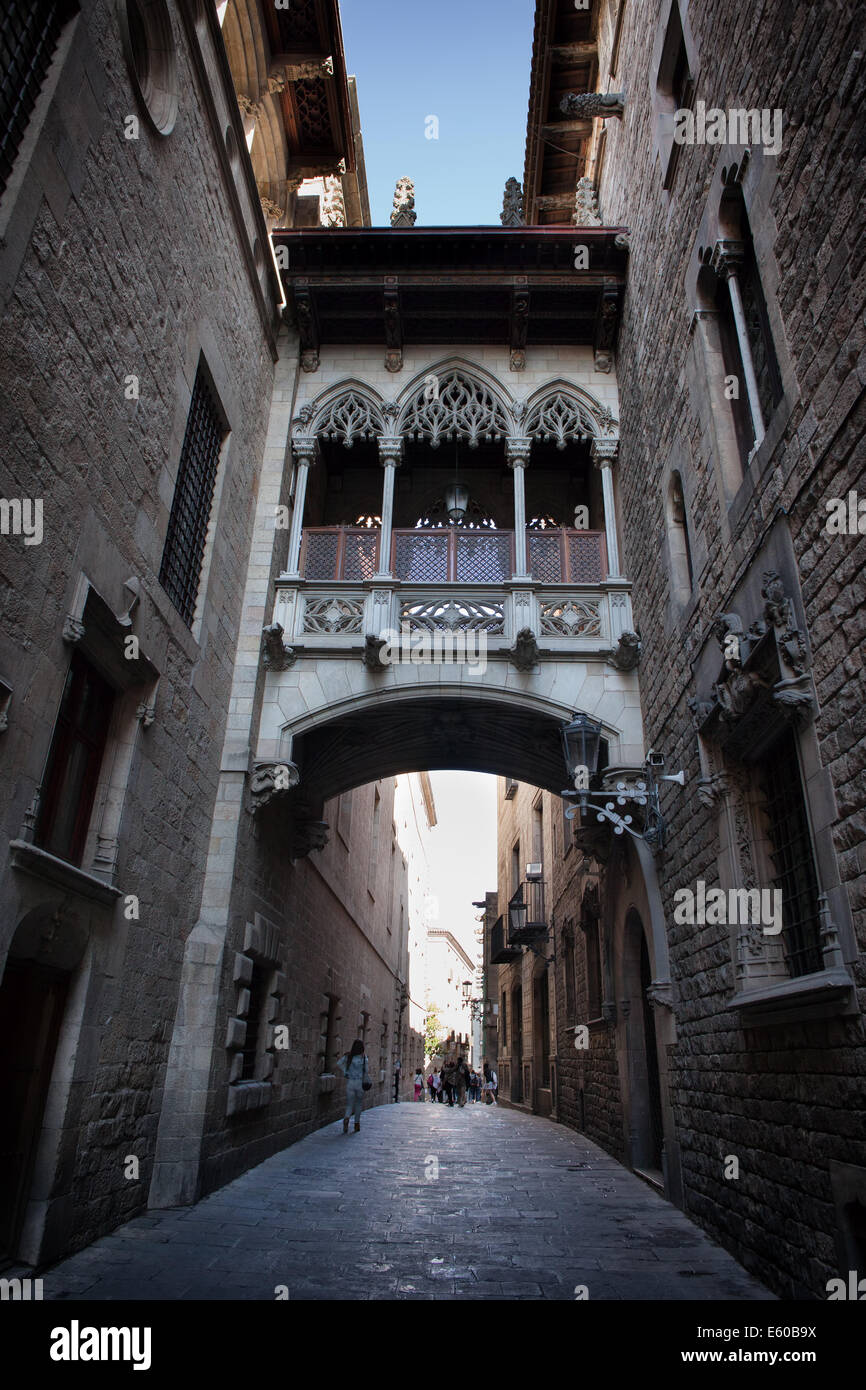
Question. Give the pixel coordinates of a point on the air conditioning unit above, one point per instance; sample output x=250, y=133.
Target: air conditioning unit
x=534, y=872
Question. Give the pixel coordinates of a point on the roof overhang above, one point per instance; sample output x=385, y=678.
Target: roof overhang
x=316, y=109
x=517, y=287
x=564, y=59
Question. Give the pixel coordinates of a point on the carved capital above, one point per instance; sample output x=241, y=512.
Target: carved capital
x=390, y=450
x=73, y=629
x=305, y=449
x=660, y=994
x=727, y=257
x=712, y=791
x=517, y=452
x=603, y=452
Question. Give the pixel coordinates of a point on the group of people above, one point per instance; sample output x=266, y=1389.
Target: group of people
x=457, y=1081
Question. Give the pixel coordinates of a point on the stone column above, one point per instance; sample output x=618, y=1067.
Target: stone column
x=727, y=260
x=517, y=457
x=390, y=456
x=604, y=452
x=304, y=451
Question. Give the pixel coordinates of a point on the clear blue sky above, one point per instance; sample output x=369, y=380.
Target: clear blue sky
x=466, y=62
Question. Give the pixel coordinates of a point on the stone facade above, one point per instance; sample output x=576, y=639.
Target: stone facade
x=747, y=606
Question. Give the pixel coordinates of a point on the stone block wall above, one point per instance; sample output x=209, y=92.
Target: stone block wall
x=786, y=1099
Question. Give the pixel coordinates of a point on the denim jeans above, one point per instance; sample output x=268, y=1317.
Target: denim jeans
x=354, y=1100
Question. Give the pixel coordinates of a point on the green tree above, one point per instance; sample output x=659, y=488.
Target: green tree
x=432, y=1031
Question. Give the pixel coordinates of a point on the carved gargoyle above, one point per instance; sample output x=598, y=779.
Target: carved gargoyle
x=372, y=656
x=276, y=656
x=524, y=654
x=588, y=104
x=268, y=780
x=737, y=693
x=308, y=835
x=626, y=655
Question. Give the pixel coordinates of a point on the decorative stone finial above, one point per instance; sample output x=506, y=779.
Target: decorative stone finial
x=333, y=205
x=588, y=104
x=586, y=205
x=512, y=205
x=404, y=214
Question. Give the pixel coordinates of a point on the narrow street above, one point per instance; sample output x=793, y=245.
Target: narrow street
x=425, y=1202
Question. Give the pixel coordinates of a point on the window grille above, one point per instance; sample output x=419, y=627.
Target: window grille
x=193, y=496
x=793, y=861
x=29, y=30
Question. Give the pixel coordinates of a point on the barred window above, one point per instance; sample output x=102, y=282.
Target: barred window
x=29, y=30
x=792, y=856
x=74, y=761
x=193, y=496
x=256, y=1022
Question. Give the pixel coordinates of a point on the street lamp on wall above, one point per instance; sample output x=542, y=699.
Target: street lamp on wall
x=581, y=740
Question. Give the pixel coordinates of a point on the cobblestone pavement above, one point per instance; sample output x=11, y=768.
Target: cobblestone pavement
x=424, y=1202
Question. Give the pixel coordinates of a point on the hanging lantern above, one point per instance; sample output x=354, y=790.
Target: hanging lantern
x=456, y=501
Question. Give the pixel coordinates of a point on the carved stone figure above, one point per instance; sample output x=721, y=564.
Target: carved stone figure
x=372, y=657
x=276, y=655
x=588, y=104
x=404, y=214
x=524, y=654
x=626, y=654
x=512, y=205
x=333, y=206
x=586, y=205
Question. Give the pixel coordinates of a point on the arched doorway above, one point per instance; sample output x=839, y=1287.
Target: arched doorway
x=645, y=1120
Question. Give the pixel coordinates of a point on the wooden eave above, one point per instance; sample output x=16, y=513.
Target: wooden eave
x=446, y=284
x=310, y=30
x=564, y=60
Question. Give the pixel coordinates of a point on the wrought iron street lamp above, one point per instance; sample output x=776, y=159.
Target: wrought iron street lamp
x=581, y=740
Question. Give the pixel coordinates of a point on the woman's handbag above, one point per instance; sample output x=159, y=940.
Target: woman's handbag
x=366, y=1084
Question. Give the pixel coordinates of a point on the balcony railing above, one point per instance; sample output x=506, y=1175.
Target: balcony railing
x=526, y=917
x=500, y=952
x=453, y=555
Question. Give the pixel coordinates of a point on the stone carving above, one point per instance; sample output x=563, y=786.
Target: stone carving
x=333, y=205
x=737, y=693
x=524, y=654
x=660, y=994
x=562, y=417
x=622, y=242
x=588, y=104
x=453, y=615
x=372, y=655
x=464, y=407
x=276, y=655
x=347, y=417
x=626, y=654
x=779, y=613
x=269, y=779
x=512, y=205
x=282, y=74
x=571, y=618
x=404, y=214
x=307, y=836
x=31, y=817
x=146, y=713
x=712, y=791
x=586, y=205
x=73, y=629
x=271, y=210
x=334, y=615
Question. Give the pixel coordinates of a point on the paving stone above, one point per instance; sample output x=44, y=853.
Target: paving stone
x=434, y=1240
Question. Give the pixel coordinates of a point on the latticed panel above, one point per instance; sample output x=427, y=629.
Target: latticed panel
x=571, y=618
x=359, y=555
x=29, y=30
x=483, y=557
x=545, y=557
x=585, y=558
x=421, y=558
x=320, y=560
x=453, y=615
x=334, y=615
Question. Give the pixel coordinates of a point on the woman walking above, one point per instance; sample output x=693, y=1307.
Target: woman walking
x=419, y=1084
x=353, y=1065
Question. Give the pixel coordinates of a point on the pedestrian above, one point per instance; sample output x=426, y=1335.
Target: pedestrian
x=474, y=1086
x=449, y=1079
x=353, y=1065
x=437, y=1085
x=489, y=1085
x=419, y=1084
x=431, y=1087
x=462, y=1081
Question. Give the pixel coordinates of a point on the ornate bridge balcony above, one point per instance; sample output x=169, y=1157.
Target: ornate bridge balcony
x=451, y=555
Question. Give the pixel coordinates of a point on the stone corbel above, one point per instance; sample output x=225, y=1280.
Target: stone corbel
x=660, y=994
x=307, y=836
x=524, y=654
x=372, y=655
x=73, y=629
x=585, y=105
x=712, y=791
x=270, y=779
x=146, y=712
x=626, y=655
x=276, y=654
x=132, y=586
